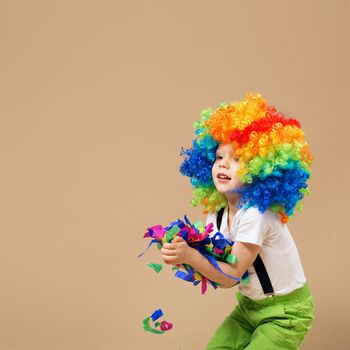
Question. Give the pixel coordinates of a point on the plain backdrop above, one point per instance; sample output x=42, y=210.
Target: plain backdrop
x=97, y=99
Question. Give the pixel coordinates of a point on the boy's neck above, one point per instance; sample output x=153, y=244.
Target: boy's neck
x=232, y=206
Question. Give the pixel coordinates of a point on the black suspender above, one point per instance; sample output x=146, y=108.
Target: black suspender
x=262, y=275
x=219, y=218
x=258, y=263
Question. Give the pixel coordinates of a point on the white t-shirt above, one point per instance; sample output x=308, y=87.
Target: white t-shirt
x=277, y=249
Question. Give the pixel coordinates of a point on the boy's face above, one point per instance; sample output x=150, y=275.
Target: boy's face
x=224, y=170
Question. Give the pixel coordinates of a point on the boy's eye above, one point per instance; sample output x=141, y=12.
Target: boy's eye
x=217, y=157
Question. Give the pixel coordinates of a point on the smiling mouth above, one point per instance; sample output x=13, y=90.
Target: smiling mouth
x=223, y=177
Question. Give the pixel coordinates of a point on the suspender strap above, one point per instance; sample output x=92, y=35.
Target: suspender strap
x=262, y=275
x=258, y=263
x=219, y=218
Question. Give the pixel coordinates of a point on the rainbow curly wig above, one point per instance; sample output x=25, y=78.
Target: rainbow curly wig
x=273, y=155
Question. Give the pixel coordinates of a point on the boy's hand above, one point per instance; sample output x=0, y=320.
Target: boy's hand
x=176, y=252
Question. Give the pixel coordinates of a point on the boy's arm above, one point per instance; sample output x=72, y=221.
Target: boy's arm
x=178, y=252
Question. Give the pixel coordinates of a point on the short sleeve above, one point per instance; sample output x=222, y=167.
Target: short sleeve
x=252, y=227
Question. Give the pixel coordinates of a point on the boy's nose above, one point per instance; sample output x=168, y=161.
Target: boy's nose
x=223, y=164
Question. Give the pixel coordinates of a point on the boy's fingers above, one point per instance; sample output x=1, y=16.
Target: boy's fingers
x=169, y=246
x=170, y=252
x=177, y=239
x=169, y=260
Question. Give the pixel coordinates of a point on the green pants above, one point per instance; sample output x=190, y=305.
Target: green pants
x=276, y=322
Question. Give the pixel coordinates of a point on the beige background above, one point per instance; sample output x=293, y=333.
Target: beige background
x=97, y=97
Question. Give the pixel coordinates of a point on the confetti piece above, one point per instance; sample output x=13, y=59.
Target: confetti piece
x=156, y=267
x=231, y=258
x=158, y=327
x=157, y=314
x=165, y=326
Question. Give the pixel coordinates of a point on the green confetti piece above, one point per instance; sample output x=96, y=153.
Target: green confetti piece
x=156, y=267
x=148, y=328
x=198, y=225
x=172, y=233
x=231, y=258
x=245, y=281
